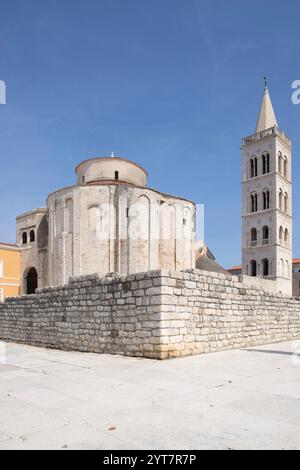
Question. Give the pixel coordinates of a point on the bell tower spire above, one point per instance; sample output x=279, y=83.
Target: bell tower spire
x=267, y=118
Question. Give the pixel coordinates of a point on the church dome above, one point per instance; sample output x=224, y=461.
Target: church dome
x=110, y=169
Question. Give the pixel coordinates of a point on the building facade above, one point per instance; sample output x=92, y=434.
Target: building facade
x=267, y=202
x=296, y=277
x=110, y=221
x=9, y=271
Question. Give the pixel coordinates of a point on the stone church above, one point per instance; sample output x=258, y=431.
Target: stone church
x=111, y=222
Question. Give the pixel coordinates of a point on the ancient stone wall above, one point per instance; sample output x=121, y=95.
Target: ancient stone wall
x=158, y=314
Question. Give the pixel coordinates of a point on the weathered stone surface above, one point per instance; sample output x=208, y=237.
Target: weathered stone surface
x=127, y=316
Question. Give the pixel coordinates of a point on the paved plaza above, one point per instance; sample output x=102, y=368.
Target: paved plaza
x=241, y=399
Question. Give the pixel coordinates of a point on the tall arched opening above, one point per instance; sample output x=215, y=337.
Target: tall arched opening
x=31, y=281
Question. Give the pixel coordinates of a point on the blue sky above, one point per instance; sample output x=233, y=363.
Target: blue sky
x=173, y=85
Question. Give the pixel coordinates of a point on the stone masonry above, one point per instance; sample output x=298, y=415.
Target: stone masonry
x=157, y=314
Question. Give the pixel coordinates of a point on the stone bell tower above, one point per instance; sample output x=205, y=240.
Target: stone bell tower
x=267, y=202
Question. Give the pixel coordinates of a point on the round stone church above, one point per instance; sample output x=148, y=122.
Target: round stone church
x=108, y=222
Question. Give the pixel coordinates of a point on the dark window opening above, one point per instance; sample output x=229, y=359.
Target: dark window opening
x=254, y=205
x=116, y=175
x=253, y=268
x=24, y=238
x=253, y=167
x=253, y=235
x=265, y=232
x=31, y=281
x=266, y=164
x=32, y=236
x=266, y=200
x=265, y=267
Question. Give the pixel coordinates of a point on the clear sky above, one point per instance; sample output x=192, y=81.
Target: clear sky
x=171, y=84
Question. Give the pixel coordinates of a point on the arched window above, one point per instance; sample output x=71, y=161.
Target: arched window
x=31, y=280
x=253, y=167
x=286, y=235
x=265, y=235
x=266, y=200
x=280, y=199
x=69, y=215
x=32, y=236
x=280, y=162
x=280, y=233
x=253, y=235
x=253, y=268
x=265, y=267
x=95, y=219
x=281, y=267
x=59, y=218
x=285, y=167
x=265, y=163
x=24, y=238
x=287, y=265
x=286, y=202
x=253, y=202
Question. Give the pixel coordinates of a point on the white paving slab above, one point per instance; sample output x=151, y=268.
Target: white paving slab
x=241, y=399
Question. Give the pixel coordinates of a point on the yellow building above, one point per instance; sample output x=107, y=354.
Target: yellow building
x=9, y=270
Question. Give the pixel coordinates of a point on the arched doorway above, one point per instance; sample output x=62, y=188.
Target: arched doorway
x=31, y=281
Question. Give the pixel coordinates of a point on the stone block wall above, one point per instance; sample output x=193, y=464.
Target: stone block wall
x=208, y=312
x=158, y=314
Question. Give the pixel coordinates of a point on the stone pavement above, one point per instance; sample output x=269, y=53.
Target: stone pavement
x=241, y=399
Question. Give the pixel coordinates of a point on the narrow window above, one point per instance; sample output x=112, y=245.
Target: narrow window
x=255, y=167
x=32, y=236
x=265, y=267
x=281, y=200
x=266, y=200
x=264, y=165
x=24, y=238
x=280, y=163
x=253, y=265
x=253, y=237
x=267, y=163
x=252, y=168
x=253, y=202
x=281, y=233
x=286, y=235
x=265, y=235
x=285, y=167
x=286, y=198
x=116, y=175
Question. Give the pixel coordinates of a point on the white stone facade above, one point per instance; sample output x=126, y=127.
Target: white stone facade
x=267, y=203
x=108, y=222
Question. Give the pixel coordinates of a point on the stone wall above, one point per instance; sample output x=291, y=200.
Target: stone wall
x=158, y=314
